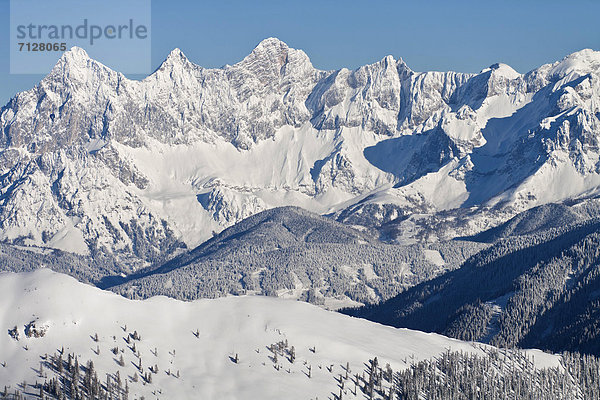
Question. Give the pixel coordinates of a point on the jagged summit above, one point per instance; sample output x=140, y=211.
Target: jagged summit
x=176, y=61
x=273, y=52
x=269, y=50
x=75, y=53
x=76, y=56
x=176, y=55
x=75, y=65
x=270, y=43
x=390, y=62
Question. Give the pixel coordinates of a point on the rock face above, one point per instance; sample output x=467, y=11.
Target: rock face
x=92, y=161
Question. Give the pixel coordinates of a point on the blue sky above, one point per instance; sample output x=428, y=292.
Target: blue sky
x=429, y=35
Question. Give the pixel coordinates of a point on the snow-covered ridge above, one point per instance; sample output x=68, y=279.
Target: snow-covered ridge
x=92, y=161
x=194, y=345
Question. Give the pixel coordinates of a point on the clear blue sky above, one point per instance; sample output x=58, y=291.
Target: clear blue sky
x=429, y=35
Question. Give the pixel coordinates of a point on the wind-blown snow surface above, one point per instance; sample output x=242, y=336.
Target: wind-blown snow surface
x=73, y=312
x=92, y=161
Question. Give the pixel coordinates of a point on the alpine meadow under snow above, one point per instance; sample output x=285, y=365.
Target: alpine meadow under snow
x=189, y=234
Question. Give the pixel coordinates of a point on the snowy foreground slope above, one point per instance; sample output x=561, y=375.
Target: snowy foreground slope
x=91, y=161
x=199, y=339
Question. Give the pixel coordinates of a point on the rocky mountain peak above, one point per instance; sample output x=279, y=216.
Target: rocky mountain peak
x=176, y=56
x=75, y=65
x=75, y=59
x=277, y=57
x=174, y=66
x=75, y=55
x=403, y=69
x=271, y=48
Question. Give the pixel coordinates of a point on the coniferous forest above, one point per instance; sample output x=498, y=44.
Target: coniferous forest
x=538, y=290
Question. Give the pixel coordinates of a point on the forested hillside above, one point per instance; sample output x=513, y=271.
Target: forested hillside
x=293, y=253
x=540, y=290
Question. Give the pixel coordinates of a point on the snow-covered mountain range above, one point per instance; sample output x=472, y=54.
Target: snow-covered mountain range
x=91, y=161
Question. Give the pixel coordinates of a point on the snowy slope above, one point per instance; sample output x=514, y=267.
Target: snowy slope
x=92, y=161
x=225, y=327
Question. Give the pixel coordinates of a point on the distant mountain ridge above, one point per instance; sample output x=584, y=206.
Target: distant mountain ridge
x=92, y=162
